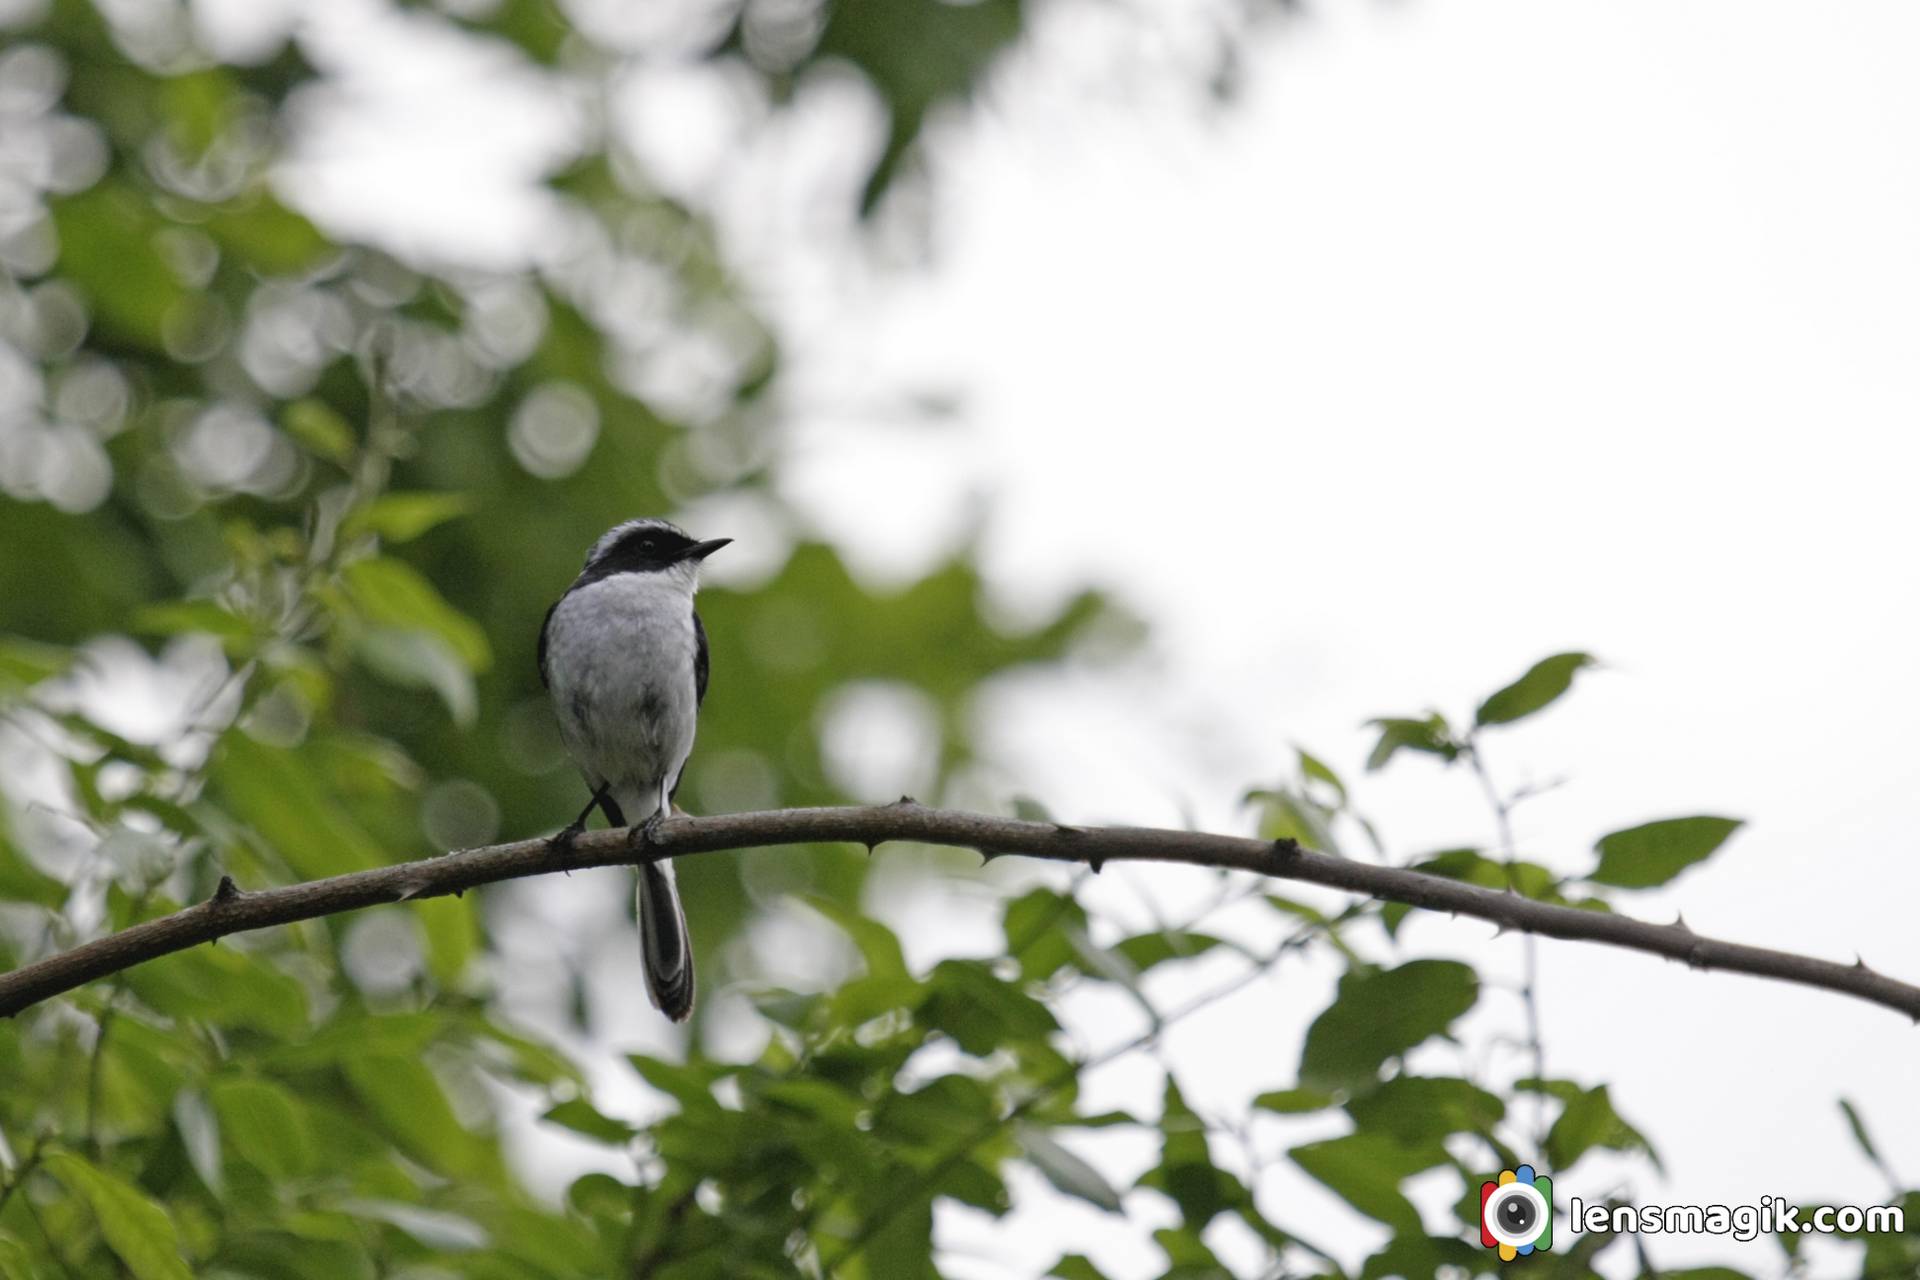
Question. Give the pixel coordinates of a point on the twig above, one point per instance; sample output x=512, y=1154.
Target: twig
x=230, y=911
x=1530, y=945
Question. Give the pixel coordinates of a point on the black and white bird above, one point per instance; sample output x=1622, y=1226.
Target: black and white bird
x=624, y=657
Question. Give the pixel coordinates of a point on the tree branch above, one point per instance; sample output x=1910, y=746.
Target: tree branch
x=232, y=911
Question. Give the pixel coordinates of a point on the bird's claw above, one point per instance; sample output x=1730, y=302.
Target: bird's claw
x=647, y=834
x=560, y=844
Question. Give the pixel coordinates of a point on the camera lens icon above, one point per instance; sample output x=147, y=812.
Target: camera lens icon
x=1514, y=1213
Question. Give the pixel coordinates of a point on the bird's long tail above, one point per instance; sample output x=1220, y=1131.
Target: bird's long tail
x=664, y=949
x=666, y=954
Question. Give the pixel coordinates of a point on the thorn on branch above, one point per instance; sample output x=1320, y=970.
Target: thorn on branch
x=903, y=801
x=1286, y=847
x=1860, y=963
x=1680, y=923
x=1095, y=861
x=224, y=894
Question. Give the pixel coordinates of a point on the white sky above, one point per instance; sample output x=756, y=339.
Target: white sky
x=1477, y=330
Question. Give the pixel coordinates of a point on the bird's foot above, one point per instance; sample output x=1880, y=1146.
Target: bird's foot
x=560, y=843
x=647, y=834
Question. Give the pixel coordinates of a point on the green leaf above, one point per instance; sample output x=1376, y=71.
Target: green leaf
x=982, y=1013
x=688, y=1083
x=108, y=237
x=197, y=107
x=903, y=1248
x=222, y=986
x=422, y=660
x=876, y=942
x=25, y=663
x=520, y=1058
x=1559, y=1090
x=175, y=617
x=536, y=28
x=1188, y=1257
x=265, y=1125
x=136, y=1228
x=1299, y=910
x=324, y=432
x=1287, y=815
x=1186, y=1173
x=402, y=517
x=1652, y=854
x=819, y=1099
x=1543, y=683
x=1859, y=1129
x=1038, y=925
x=22, y=881
x=199, y=1131
x=930, y=1116
x=405, y=1099
x=269, y=236
x=600, y=1195
x=434, y=1228
x=582, y=1117
x=352, y=1032
x=1366, y=1169
x=1431, y=736
x=1294, y=1101
x=283, y=795
x=391, y=593
x=15, y=1262
x=1144, y=951
x=1469, y=865
x=453, y=935
x=1528, y=879
x=1028, y=809
x=889, y=42
x=1066, y=1171
x=1312, y=766
x=1381, y=1013
x=1587, y=1121
x=1417, y=1109
x=1075, y=1266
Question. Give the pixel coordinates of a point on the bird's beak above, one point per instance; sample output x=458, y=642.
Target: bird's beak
x=701, y=550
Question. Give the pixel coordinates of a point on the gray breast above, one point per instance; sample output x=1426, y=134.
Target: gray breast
x=620, y=656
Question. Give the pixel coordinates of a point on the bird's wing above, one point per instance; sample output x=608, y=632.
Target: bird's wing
x=699, y=660
x=545, y=624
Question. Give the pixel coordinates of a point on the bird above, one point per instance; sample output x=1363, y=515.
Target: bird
x=623, y=655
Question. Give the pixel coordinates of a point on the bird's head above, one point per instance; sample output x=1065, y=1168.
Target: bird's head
x=649, y=546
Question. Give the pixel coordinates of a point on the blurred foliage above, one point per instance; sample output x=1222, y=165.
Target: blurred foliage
x=279, y=517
